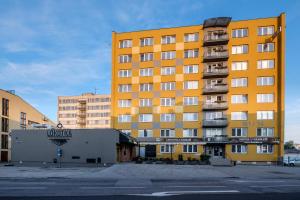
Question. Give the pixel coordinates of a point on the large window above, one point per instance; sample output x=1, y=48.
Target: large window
x=265, y=30
x=189, y=117
x=125, y=58
x=167, y=101
x=146, y=72
x=146, y=87
x=264, y=148
x=124, y=103
x=5, y=124
x=239, y=148
x=239, y=132
x=240, y=49
x=167, y=70
x=146, y=57
x=238, y=66
x=213, y=115
x=265, y=132
x=145, y=133
x=212, y=132
x=265, y=64
x=5, y=107
x=22, y=120
x=265, y=115
x=145, y=118
x=239, y=82
x=190, y=148
x=239, y=115
x=167, y=133
x=190, y=132
x=168, y=39
x=191, y=53
x=125, y=44
x=190, y=69
x=124, y=118
x=145, y=102
x=168, y=86
x=168, y=55
x=266, y=47
x=265, y=98
x=146, y=41
x=191, y=37
x=267, y=80
x=189, y=85
x=125, y=73
x=167, y=117
x=4, y=141
x=189, y=101
x=239, y=98
x=239, y=33
x=167, y=148
x=124, y=88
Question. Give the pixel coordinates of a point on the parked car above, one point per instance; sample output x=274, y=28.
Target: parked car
x=291, y=162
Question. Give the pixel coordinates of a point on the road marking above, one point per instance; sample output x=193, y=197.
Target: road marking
x=172, y=193
x=267, y=186
x=254, y=181
x=22, y=188
x=112, y=187
x=196, y=186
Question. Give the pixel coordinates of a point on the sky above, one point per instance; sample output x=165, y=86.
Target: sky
x=51, y=48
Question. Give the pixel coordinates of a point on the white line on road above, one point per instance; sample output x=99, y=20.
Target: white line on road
x=172, y=193
x=22, y=188
x=270, y=186
x=254, y=181
x=195, y=186
x=108, y=187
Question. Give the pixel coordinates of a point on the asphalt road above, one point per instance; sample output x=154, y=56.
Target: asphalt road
x=225, y=188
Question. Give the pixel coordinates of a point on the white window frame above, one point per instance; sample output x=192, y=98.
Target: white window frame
x=189, y=148
x=124, y=103
x=166, y=148
x=191, y=85
x=240, y=33
x=167, y=101
x=265, y=115
x=166, y=86
x=190, y=117
x=124, y=73
x=190, y=101
x=239, y=148
x=190, y=69
x=145, y=117
x=167, y=117
x=239, y=98
x=144, y=57
x=168, y=39
x=146, y=87
x=124, y=88
x=190, y=132
x=124, y=118
x=239, y=132
x=240, y=49
x=265, y=98
x=141, y=133
x=145, y=102
x=146, y=72
x=125, y=44
x=264, y=149
x=125, y=58
x=265, y=30
x=168, y=55
x=242, y=115
x=266, y=64
x=167, y=132
x=191, y=37
x=239, y=82
x=265, y=132
x=265, y=81
x=266, y=47
x=191, y=53
x=148, y=41
x=239, y=66
x=168, y=70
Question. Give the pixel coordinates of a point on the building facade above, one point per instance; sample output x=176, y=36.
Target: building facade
x=214, y=89
x=16, y=114
x=85, y=111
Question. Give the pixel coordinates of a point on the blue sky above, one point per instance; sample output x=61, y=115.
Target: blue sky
x=63, y=47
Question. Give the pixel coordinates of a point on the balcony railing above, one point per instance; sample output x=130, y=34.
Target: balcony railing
x=220, y=122
x=215, y=73
x=215, y=106
x=220, y=88
x=220, y=55
x=216, y=139
x=216, y=38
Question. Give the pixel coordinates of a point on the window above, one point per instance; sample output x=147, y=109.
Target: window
x=265, y=30
x=124, y=58
x=262, y=81
x=146, y=72
x=145, y=102
x=264, y=115
x=190, y=132
x=146, y=57
x=264, y=148
x=167, y=86
x=167, y=148
x=213, y=115
x=145, y=133
x=168, y=55
x=124, y=118
x=145, y=118
x=267, y=47
x=167, y=117
x=167, y=133
x=241, y=49
x=124, y=88
x=239, y=115
x=265, y=64
x=191, y=37
x=188, y=85
x=124, y=103
x=22, y=120
x=265, y=132
x=265, y=98
x=168, y=39
x=167, y=70
x=239, y=82
x=212, y=132
x=167, y=101
x=146, y=41
x=191, y=53
x=146, y=87
x=5, y=107
x=190, y=69
x=188, y=101
x=239, y=33
x=124, y=73
x=239, y=132
x=189, y=117
x=5, y=125
x=239, y=148
x=190, y=148
x=125, y=44
x=239, y=98
x=237, y=66
x=4, y=141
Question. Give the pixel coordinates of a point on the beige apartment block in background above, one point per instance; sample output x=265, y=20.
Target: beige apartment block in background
x=17, y=114
x=85, y=111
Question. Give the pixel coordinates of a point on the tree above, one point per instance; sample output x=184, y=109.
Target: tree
x=289, y=145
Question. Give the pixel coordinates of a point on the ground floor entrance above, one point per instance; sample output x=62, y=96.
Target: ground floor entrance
x=4, y=156
x=217, y=151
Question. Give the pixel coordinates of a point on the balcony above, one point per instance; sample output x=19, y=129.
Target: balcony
x=215, y=56
x=216, y=38
x=216, y=72
x=219, y=122
x=215, y=106
x=216, y=139
x=220, y=88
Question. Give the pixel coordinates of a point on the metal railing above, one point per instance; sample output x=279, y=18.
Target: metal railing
x=215, y=88
x=207, y=106
x=221, y=36
x=220, y=122
x=217, y=54
x=215, y=72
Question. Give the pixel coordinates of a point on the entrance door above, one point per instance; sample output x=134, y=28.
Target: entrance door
x=218, y=151
x=4, y=156
x=150, y=151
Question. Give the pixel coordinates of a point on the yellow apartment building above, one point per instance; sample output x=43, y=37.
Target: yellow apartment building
x=88, y=110
x=17, y=114
x=214, y=89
